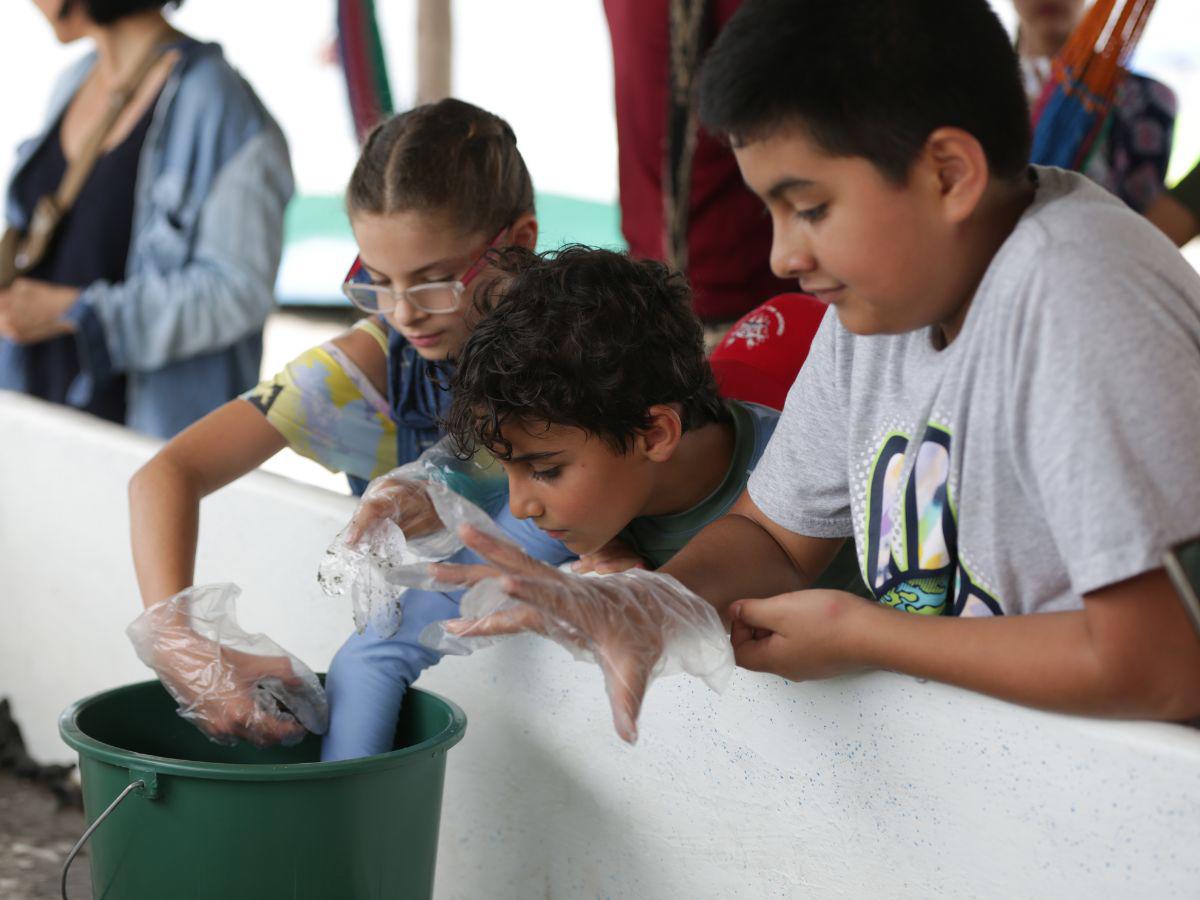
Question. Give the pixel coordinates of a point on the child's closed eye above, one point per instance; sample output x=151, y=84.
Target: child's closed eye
x=547, y=474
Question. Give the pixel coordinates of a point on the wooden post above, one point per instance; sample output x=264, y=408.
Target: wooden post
x=434, y=47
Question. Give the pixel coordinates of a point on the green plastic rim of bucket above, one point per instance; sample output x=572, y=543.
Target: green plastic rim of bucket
x=183, y=816
x=68, y=727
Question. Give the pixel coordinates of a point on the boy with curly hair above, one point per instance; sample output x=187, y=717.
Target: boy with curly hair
x=588, y=383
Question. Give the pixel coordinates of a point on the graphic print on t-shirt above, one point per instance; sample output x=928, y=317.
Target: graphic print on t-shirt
x=912, y=560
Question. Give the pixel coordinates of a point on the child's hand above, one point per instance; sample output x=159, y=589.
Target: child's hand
x=802, y=636
x=403, y=500
x=230, y=684
x=216, y=688
x=615, y=556
x=31, y=311
x=636, y=625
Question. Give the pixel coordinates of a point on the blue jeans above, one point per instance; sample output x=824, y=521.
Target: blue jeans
x=369, y=675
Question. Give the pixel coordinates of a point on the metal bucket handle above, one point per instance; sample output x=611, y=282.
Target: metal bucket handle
x=144, y=781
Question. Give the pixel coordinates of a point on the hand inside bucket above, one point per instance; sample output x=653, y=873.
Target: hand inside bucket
x=230, y=684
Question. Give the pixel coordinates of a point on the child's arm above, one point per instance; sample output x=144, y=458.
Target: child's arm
x=745, y=554
x=1130, y=652
x=165, y=497
x=165, y=494
x=742, y=554
x=164, y=508
x=1177, y=211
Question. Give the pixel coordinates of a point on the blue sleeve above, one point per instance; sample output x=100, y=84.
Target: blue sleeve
x=202, y=296
x=369, y=675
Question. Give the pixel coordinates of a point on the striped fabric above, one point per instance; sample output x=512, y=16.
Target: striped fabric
x=1075, y=105
x=361, y=52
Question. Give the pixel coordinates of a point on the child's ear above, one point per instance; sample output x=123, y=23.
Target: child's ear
x=957, y=167
x=525, y=231
x=659, y=440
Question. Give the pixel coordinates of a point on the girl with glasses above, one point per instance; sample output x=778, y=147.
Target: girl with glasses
x=433, y=191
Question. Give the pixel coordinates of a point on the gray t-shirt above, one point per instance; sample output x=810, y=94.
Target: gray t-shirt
x=1059, y=433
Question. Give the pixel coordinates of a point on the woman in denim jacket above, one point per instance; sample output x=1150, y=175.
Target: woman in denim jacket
x=149, y=306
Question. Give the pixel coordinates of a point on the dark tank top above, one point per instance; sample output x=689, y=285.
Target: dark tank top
x=91, y=244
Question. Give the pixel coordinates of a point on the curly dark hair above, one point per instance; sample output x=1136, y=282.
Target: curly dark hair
x=583, y=337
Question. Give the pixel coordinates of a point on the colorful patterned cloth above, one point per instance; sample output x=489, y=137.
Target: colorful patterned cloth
x=328, y=410
x=360, y=49
x=1131, y=155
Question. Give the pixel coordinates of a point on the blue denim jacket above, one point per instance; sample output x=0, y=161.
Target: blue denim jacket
x=185, y=326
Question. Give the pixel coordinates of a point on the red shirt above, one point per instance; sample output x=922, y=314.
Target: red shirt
x=729, y=234
x=763, y=353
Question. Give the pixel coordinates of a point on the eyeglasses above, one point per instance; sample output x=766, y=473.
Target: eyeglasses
x=433, y=297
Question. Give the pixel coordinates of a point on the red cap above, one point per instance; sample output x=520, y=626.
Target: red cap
x=761, y=355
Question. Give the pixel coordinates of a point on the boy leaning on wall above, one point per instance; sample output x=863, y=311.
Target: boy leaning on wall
x=587, y=383
x=1002, y=407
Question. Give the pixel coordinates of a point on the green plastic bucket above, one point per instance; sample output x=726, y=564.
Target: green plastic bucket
x=237, y=822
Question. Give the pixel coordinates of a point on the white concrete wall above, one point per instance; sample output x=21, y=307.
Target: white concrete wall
x=872, y=786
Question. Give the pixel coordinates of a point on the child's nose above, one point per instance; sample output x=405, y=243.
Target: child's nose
x=791, y=256
x=405, y=314
x=522, y=504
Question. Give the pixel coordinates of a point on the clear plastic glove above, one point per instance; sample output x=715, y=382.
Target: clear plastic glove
x=615, y=556
x=230, y=684
x=406, y=520
x=401, y=497
x=636, y=625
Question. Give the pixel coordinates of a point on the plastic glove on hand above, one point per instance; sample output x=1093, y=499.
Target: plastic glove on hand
x=615, y=556
x=636, y=624
x=230, y=684
x=375, y=557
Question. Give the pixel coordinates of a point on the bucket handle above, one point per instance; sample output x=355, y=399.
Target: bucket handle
x=146, y=782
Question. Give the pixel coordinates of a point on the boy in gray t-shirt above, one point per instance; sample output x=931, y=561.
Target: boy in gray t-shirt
x=1002, y=408
x=1056, y=437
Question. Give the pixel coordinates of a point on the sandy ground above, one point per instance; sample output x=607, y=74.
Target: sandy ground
x=35, y=837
